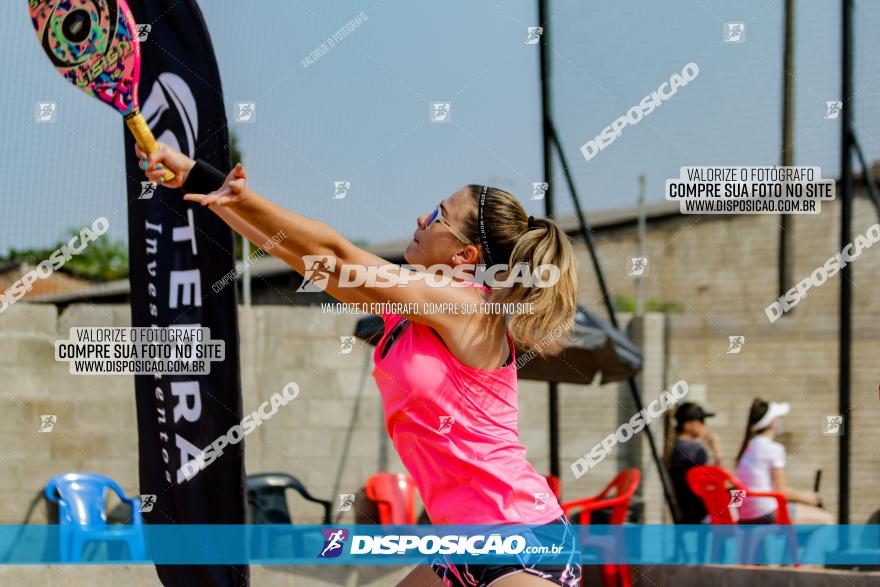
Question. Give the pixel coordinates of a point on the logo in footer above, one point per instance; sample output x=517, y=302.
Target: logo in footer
x=334, y=540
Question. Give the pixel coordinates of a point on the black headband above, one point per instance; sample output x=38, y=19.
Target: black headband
x=484, y=237
x=484, y=240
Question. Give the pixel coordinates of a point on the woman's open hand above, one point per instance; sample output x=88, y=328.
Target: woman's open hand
x=230, y=193
x=156, y=164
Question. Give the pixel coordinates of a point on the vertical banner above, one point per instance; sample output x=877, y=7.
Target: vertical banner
x=177, y=251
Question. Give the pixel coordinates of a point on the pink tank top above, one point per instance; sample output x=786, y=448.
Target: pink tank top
x=455, y=429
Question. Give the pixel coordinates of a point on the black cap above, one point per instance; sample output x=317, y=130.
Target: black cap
x=689, y=411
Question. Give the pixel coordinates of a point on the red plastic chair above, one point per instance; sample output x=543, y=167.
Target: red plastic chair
x=713, y=485
x=624, y=486
x=395, y=496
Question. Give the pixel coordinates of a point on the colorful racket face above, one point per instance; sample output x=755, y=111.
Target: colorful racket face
x=93, y=44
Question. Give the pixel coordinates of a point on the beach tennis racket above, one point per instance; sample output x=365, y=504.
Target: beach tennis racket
x=94, y=45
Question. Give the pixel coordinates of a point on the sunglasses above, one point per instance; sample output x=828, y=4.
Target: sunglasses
x=437, y=216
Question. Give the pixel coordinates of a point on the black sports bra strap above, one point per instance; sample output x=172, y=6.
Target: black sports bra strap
x=395, y=332
x=393, y=336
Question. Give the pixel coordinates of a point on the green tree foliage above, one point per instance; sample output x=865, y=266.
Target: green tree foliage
x=101, y=260
x=626, y=303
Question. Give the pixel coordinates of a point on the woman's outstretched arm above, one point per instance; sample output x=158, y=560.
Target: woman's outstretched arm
x=192, y=176
x=258, y=219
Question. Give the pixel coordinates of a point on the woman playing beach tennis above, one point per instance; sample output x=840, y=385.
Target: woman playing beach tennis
x=449, y=379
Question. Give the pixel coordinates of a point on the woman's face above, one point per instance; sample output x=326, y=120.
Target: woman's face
x=695, y=428
x=776, y=426
x=437, y=244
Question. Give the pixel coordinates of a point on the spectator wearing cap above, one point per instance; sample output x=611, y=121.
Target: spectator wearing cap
x=694, y=445
x=761, y=467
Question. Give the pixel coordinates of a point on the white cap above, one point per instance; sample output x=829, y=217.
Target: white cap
x=775, y=410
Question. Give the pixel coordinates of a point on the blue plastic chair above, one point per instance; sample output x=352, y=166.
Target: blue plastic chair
x=82, y=516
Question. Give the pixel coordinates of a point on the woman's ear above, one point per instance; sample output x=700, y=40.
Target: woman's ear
x=469, y=255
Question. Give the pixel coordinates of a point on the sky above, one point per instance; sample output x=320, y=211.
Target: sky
x=361, y=112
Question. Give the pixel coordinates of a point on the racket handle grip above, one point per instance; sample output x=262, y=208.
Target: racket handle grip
x=139, y=128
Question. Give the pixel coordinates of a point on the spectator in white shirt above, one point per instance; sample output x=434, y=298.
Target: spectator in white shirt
x=761, y=467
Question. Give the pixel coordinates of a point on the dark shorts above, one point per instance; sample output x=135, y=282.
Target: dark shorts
x=567, y=575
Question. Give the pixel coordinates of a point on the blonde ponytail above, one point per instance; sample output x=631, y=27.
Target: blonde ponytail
x=516, y=238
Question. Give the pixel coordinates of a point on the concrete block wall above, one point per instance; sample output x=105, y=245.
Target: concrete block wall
x=95, y=427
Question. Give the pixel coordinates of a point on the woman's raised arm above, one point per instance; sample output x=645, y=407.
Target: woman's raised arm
x=259, y=220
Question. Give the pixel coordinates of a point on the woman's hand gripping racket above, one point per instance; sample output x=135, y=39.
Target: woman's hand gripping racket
x=156, y=164
x=93, y=44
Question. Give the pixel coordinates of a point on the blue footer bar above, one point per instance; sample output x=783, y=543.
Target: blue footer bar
x=401, y=545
